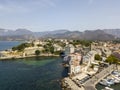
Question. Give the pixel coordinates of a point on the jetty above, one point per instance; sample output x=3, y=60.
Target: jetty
x=90, y=84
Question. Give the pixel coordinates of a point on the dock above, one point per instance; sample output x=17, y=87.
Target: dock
x=96, y=79
x=91, y=83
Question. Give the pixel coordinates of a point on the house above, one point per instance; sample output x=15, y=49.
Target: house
x=57, y=47
x=74, y=63
x=69, y=49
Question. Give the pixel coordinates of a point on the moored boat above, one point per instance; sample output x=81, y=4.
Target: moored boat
x=108, y=88
x=107, y=82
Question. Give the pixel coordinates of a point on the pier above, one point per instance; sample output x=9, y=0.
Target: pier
x=90, y=84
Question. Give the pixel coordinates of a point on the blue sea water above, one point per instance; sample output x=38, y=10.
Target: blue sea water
x=8, y=44
x=38, y=73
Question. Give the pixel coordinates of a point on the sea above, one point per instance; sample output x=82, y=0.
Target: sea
x=4, y=45
x=37, y=73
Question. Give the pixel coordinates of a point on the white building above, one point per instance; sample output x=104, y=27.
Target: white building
x=74, y=63
x=69, y=49
x=57, y=47
x=74, y=69
x=107, y=52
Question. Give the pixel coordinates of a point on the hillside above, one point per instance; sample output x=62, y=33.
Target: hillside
x=24, y=34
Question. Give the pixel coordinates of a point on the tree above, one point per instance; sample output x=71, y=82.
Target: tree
x=22, y=46
x=39, y=45
x=14, y=48
x=37, y=52
x=51, y=49
x=58, y=53
x=112, y=59
x=98, y=57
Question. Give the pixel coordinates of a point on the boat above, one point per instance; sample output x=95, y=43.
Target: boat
x=103, y=82
x=116, y=81
x=108, y=88
x=110, y=81
x=107, y=82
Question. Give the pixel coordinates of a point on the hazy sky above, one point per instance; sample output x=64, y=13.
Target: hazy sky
x=42, y=15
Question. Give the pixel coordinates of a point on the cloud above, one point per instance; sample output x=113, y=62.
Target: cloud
x=25, y=5
x=12, y=9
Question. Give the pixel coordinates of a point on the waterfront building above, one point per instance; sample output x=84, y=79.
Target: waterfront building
x=89, y=56
x=74, y=63
x=88, y=59
x=69, y=49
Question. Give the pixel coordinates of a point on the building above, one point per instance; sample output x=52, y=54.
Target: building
x=74, y=63
x=88, y=59
x=106, y=52
x=57, y=47
x=69, y=49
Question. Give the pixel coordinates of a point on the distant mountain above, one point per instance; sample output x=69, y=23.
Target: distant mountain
x=16, y=38
x=24, y=34
x=86, y=35
x=97, y=35
x=67, y=35
x=50, y=33
x=115, y=32
x=6, y=32
x=18, y=34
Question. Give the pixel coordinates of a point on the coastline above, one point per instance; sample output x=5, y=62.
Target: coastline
x=21, y=57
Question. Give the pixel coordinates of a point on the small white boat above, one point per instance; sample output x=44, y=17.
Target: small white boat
x=108, y=88
x=110, y=81
x=116, y=81
x=103, y=82
x=107, y=82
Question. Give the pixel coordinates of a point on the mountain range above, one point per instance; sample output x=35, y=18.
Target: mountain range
x=24, y=34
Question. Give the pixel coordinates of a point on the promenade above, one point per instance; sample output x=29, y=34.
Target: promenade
x=90, y=84
x=95, y=79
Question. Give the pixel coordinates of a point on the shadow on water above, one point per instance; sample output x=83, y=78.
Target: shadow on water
x=65, y=72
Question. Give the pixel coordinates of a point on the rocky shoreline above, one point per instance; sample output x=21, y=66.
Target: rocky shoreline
x=21, y=57
x=65, y=85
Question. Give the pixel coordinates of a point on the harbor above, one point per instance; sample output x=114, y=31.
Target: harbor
x=85, y=71
x=82, y=81
x=112, y=81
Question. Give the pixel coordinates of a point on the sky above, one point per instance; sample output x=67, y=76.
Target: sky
x=45, y=15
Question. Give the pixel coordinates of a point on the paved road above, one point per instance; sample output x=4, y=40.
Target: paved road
x=95, y=79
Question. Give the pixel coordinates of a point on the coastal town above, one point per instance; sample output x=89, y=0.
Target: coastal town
x=99, y=64
x=88, y=62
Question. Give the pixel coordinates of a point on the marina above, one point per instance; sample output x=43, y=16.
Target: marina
x=113, y=78
x=83, y=76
